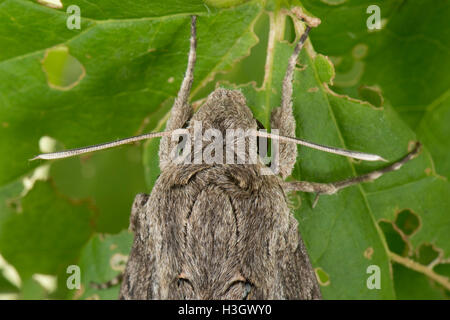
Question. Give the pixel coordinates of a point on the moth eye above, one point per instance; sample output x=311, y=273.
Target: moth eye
x=182, y=280
x=247, y=289
x=240, y=285
x=185, y=288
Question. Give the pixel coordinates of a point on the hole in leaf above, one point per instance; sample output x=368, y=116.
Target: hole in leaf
x=47, y=144
x=289, y=30
x=394, y=240
x=372, y=95
x=442, y=268
x=8, y=272
x=426, y=254
x=322, y=277
x=407, y=221
x=63, y=71
x=118, y=262
x=48, y=282
x=55, y=4
x=41, y=173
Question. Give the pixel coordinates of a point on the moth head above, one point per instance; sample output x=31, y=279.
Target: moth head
x=225, y=109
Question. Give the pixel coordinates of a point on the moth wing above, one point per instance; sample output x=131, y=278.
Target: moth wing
x=297, y=275
x=137, y=277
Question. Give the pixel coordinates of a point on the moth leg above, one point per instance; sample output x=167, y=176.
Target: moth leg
x=282, y=118
x=181, y=109
x=333, y=187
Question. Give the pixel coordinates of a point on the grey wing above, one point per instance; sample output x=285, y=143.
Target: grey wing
x=297, y=275
x=137, y=277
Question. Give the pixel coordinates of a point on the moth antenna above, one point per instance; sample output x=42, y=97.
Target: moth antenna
x=339, y=151
x=96, y=147
x=186, y=85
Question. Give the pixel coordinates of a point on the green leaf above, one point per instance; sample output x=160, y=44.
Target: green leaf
x=43, y=231
x=110, y=180
x=342, y=230
x=132, y=57
x=131, y=67
x=415, y=286
x=407, y=62
x=224, y=3
x=434, y=131
x=325, y=69
x=32, y=290
x=118, y=75
x=219, y=57
x=102, y=259
x=408, y=59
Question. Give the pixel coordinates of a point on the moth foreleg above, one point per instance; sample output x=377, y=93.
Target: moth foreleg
x=333, y=187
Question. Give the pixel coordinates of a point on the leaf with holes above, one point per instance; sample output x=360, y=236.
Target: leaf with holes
x=118, y=75
x=103, y=258
x=408, y=59
x=114, y=77
x=342, y=233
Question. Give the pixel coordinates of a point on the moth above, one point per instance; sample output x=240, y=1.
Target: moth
x=224, y=231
